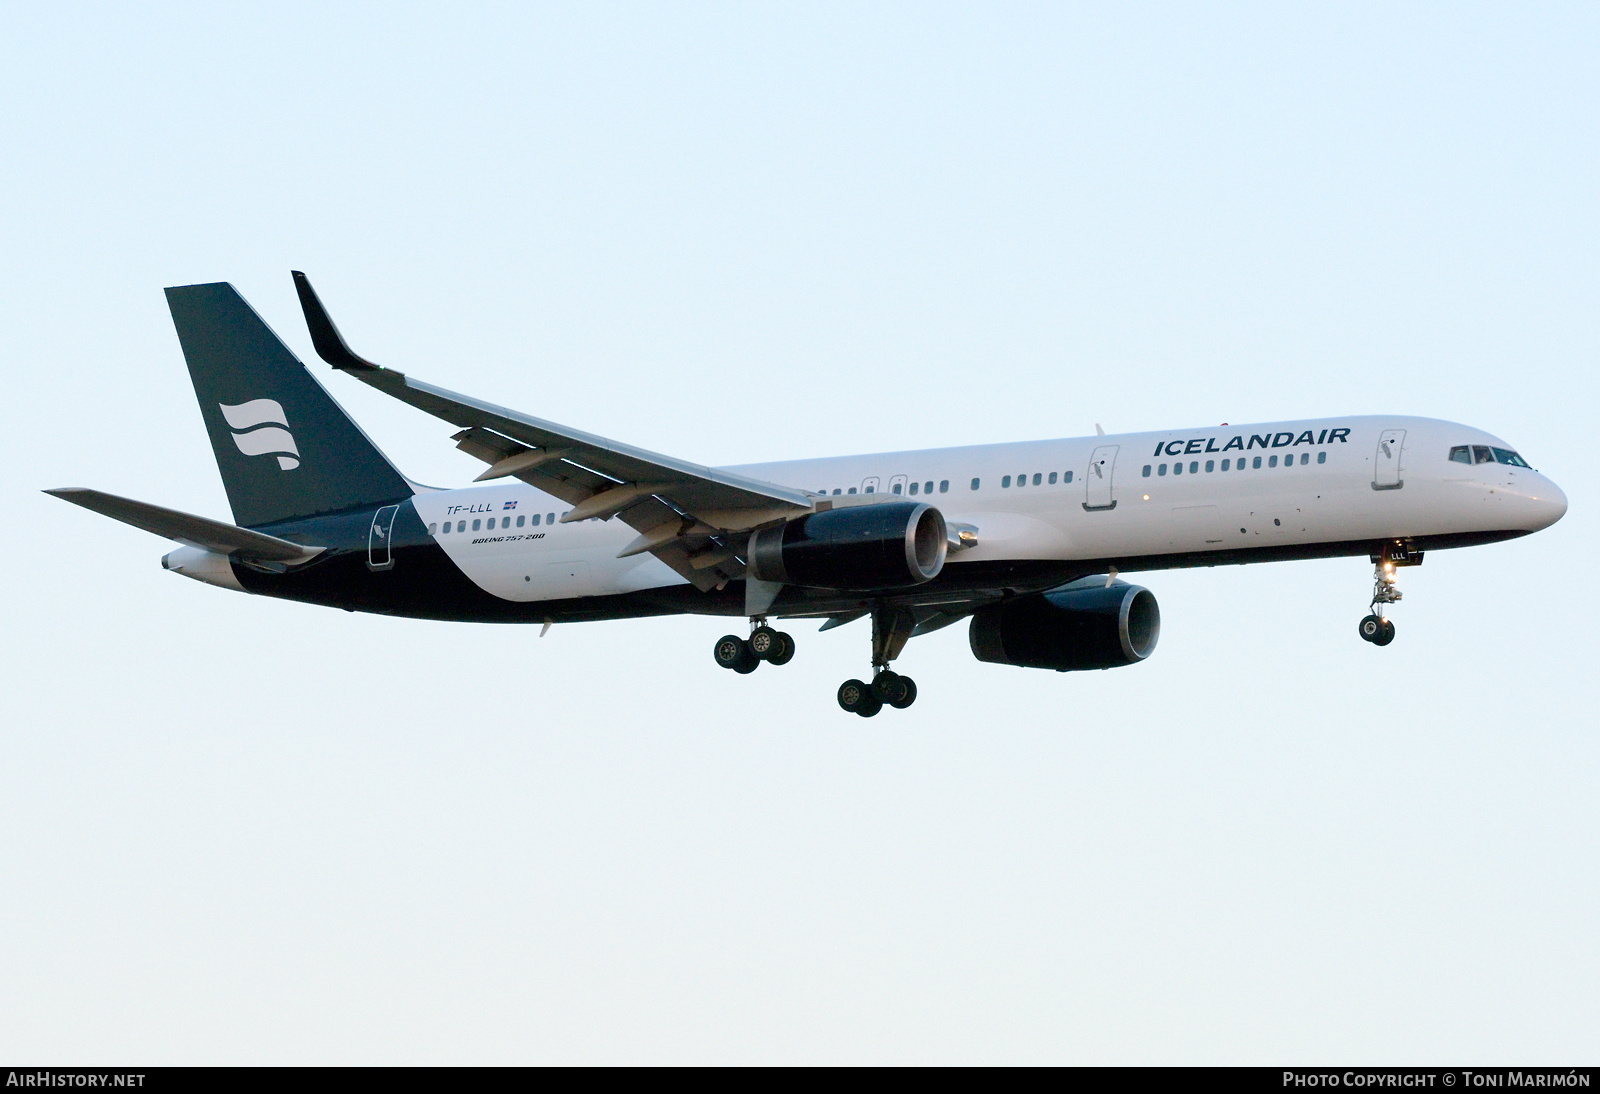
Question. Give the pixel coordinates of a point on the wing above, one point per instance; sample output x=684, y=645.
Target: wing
x=687, y=515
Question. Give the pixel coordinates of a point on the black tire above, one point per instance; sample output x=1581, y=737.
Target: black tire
x=766, y=643
x=1387, y=636
x=733, y=652
x=1371, y=627
x=870, y=707
x=852, y=694
x=889, y=687
x=786, y=655
x=910, y=695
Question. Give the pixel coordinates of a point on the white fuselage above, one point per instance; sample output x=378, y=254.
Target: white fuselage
x=1111, y=497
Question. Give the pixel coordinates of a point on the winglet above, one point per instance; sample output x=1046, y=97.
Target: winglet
x=330, y=344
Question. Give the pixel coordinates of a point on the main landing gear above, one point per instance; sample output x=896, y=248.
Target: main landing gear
x=888, y=688
x=891, y=629
x=1376, y=627
x=744, y=655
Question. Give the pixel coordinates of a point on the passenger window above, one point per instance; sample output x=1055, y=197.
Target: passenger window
x=853, y=490
x=1322, y=457
x=1005, y=482
x=520, y=520
x=927, y=487
x=1482, y=454
x=1461, y=454
x=1067, y=477
x=896, y=488
x=944, y=486
x=974, y=484
x=1194, y=467
x=1162, y=470
x=1506, y=456
x=915, y=487
x=1305, y=458
x=431, y=527
x=1053, y=476
x=835, y=489
x=536, y=520
x=1256, y=463
x=1177, y=468
x=477, y=524
x=1224, y=465
x=1272, y=461
x=1211, y=465
x=1022, y=480
x=1145, y=473
x=1036, y=478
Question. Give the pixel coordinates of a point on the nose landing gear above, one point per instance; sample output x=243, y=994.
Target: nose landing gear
x=1377, y=630
x=1376, y=627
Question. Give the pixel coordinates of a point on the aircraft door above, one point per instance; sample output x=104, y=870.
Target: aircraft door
x=869, y=485
x=1386, y=463
x=380, y=555
x=1097, y=483
x=897, y=485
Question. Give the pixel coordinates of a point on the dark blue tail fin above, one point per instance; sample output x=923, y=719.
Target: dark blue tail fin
x=284, y=447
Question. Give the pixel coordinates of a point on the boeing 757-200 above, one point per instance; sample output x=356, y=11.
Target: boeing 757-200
x=1025, y=540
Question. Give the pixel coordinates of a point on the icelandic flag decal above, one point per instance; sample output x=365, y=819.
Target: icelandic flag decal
x=511, y=505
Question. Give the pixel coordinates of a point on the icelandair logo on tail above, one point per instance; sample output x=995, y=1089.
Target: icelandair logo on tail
x=257, y=433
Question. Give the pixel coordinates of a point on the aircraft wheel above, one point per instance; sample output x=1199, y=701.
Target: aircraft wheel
x=733, y=652
x=785, y=655
x=855, y=695
x=910, y=695
x=1386, y=636
x=1371, y=628
x=870, y=707
x=766, y=643
x=890, y=687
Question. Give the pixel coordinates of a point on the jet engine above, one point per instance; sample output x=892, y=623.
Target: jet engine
x=1082, y=625
x=881, y=546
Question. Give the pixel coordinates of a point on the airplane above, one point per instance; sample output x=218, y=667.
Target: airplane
x=1024, y=540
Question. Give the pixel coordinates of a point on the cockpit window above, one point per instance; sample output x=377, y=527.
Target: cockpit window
x=1482, y=453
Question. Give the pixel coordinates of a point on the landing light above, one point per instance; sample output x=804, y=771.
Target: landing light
x=1147, y=497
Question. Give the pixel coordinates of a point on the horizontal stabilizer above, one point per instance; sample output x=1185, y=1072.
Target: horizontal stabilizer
x=212, y=535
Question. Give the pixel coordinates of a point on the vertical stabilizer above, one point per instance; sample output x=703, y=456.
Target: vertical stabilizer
x=284, y=447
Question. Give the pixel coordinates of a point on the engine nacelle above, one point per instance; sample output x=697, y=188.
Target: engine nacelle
x=881, y=546
x=1082, y=625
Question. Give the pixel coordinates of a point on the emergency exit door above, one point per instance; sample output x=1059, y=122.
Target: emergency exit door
x=380, y=551
x=1386, y=462
x=1097, y=482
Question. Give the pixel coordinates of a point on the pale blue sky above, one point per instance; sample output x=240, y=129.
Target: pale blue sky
x=246, y=831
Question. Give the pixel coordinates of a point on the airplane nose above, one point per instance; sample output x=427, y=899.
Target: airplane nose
x=1550, y=504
